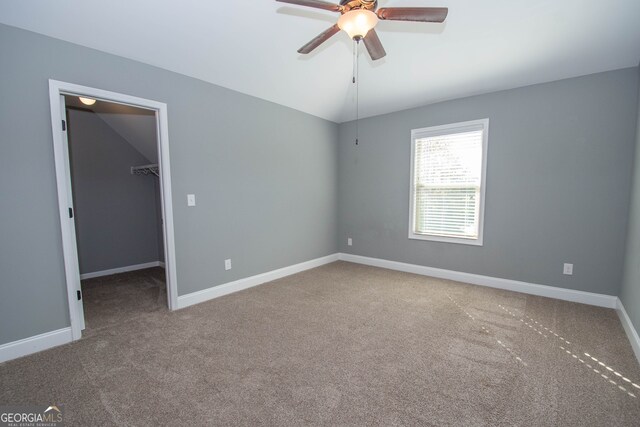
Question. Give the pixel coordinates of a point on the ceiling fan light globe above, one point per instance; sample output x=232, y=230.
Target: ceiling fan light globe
x=358, y=22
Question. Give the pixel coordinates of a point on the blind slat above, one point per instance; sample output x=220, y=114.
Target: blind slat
x=447, y=181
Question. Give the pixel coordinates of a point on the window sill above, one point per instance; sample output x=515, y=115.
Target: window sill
x=442, y=239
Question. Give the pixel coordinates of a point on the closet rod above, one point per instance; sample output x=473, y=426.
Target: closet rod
x=145, y=170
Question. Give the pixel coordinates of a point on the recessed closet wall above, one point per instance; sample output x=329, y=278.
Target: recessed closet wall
x=118, y=220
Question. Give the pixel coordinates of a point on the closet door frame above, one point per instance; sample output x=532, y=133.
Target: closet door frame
x=57, y=91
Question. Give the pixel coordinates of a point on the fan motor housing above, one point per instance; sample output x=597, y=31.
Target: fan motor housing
x=348, y=5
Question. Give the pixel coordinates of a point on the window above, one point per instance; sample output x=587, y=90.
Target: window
x=448, y=167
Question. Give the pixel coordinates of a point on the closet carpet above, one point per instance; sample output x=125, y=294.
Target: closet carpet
x=342, y=344
x=119, y=298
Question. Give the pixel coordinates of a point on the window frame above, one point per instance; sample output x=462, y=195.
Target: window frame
x=448, y=129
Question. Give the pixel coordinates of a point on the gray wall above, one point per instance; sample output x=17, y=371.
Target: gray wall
x=265, y=177
x=630, y=293
x=558, y=180
x=115, y=212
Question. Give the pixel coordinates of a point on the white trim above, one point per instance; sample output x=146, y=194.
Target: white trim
x=631, y=332
x=481, y=124
x=51, y=339
x=67, y=226
x=590, y=298
x=249, y=282
x=167, y=206
x=65, y=202
x=121, y=270
x=34, y=344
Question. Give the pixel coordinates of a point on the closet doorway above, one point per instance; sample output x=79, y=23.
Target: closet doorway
x=112, y=169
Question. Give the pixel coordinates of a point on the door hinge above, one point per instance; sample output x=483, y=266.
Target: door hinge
x=79, y=293
x=64, y=125
x=70, y=212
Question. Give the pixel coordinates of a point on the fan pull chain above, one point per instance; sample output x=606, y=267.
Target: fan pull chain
x=356, y=81
x=353, y=72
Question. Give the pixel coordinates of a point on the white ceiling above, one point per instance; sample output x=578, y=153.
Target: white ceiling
x=250, y=46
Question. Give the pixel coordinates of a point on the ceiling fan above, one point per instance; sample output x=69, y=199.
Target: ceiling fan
x=359, y=17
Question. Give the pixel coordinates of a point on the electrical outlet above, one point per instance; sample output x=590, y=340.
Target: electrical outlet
x=191, y=199
x=349, y=241
x=227, y=264
x=568, y=269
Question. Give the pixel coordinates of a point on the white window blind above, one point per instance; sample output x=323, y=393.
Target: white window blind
x=447, y=182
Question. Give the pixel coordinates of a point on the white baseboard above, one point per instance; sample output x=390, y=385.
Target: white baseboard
x=121, y=269
x=47, y=340
x=34, y=344
x=590, y=298
x=248, y=282
x=632, y=334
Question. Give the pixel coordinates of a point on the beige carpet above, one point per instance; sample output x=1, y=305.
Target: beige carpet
x=345, y=344
x=120, y=298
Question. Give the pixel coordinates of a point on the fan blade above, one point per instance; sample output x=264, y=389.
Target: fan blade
x=319, y=39
x=419, y=14
x=374, y=45
x=314, y=3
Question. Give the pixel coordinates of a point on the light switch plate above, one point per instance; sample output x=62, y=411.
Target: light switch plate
x=227, y=264
x=191, y=199
x=349, y=241
x=568, y=269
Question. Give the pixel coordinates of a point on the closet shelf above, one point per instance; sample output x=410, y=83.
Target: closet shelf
x=145, y=170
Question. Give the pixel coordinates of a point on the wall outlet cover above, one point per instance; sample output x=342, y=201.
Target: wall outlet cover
x=349, y=241
x=567, y=269
x=227, y=264
x=191, y=199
